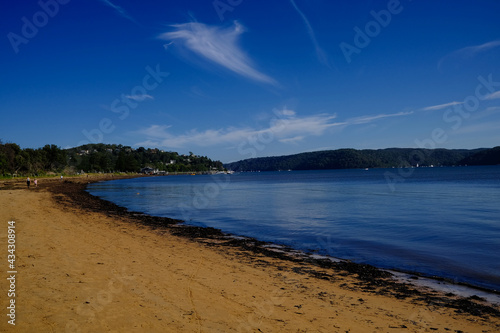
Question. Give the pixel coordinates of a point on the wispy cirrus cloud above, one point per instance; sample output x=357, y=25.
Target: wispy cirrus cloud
x=468, y=52
x=139, y=98
x=218, y=45
x=122, y=12
x=289, y=128
x=495, y=95
x=369, y=119
x=293, y=140
x=286, y=129
x=440, y=106
x=320, y=54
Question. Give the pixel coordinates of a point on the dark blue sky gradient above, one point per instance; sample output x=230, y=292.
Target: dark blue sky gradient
x=260, y=78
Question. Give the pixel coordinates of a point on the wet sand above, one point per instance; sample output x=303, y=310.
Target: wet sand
x=87, y=265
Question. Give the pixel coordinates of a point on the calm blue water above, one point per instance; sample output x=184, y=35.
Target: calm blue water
x=437, y=221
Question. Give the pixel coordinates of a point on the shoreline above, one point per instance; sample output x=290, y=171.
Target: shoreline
x=413, y=277
x=209, y=235
x=372, y=285
x=369, y=274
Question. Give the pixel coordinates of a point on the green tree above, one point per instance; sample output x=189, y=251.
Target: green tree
x=55, y=158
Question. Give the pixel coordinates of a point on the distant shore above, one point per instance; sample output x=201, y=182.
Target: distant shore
x=91, y=265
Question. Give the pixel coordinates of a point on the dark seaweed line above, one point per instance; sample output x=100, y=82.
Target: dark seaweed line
x=371, y=279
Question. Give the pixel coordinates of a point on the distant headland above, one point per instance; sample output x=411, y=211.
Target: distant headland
x=370, y=158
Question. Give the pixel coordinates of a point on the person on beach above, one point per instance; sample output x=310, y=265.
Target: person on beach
x=36, y=182
x=28, y=181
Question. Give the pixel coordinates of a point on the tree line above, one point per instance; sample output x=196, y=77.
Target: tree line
x=96, y=158
x=370, y=158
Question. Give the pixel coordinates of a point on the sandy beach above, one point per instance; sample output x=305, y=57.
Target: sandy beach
x=84, y=265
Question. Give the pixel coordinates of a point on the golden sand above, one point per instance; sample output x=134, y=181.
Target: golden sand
x=84, y=271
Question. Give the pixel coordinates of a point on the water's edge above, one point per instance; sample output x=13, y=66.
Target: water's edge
x=273, y=249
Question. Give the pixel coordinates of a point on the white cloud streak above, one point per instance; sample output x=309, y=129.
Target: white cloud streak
x=120, y=11
x=288, y=128
x=469, y=52
x=440, y=106
x=218, y=45
x=369, y=119
x=139, y=98
x=319, y=51
x=293, y=140
x=495, y=95
x=282, y=129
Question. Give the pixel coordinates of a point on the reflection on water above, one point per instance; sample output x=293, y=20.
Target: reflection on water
x=439, y=221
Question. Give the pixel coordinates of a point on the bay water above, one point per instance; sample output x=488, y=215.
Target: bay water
x=435, y=221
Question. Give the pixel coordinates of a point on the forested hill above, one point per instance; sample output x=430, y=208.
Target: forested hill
x=96, y=158
x=368, y=158
x=484, y=157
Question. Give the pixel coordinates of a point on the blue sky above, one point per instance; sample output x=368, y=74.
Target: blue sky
x=233, y=79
